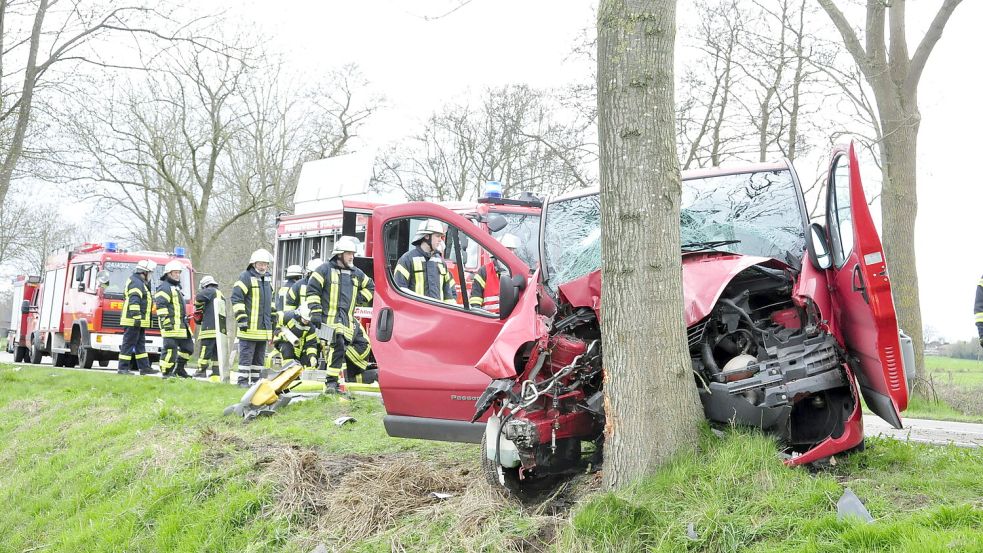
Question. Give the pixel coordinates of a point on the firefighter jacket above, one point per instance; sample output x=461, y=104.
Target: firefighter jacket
x=254, y=306
x=426, y=275
x=137, y=303
x=205, y=304
x=295, y=295
x=171, y=310
x=332, y=293
x=302, y=336
x=978, y=307
x=281, y=298
x=484, y=288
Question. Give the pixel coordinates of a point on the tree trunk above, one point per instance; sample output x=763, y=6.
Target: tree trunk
x=651, y=403
x=899, y=208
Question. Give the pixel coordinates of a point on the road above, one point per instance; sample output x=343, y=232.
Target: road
x=961, y=434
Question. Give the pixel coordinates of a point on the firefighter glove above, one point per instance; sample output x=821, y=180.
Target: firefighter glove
x=316, y=321
x=243, y=326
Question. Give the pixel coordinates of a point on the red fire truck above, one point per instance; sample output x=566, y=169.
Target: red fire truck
x=25, y=287
x=75, y=316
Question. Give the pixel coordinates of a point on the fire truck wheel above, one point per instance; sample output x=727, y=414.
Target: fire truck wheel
x=35, y=354
x=86, y=357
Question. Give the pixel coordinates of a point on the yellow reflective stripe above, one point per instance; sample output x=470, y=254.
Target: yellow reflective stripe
x=317, y=276
x=476, y=301
x=418, y=276
x=980, y=282
x=333, y=297
x=366, y=293
x=254, y=315
x=403, y=271
x=979, y=317
x=480, y=280
x=136, y=291
x=242, y=286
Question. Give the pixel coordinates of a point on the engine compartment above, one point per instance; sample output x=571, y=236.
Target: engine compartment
x=760, y=358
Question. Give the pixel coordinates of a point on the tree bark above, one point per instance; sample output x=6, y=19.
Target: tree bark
x=651, y=403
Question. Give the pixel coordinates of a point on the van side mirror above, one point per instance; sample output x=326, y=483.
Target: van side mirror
x=496, y=222
x=508, y=295
x=818, y=247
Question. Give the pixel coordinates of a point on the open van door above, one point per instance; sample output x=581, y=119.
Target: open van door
x=863, y=308
x=427, y=348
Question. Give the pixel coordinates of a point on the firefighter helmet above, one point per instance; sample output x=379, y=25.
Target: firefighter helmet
x=313, y=264
x=294, y=271
x=430, y=226
x=207, y=281
x=173, y=265
x=510, y=241
x=304, y=312
x=261, y=256
x=345, y=244
x=146, y=266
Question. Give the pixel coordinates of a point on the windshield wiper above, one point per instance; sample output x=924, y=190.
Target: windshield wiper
x=709, y=245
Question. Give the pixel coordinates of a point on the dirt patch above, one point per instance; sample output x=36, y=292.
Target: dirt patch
x=30, y=407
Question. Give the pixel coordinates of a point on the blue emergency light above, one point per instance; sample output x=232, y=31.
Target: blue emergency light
x=493, y=189
x=111, y=247
x=179, y=251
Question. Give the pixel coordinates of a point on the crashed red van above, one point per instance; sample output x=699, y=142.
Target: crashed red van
x=789, y=325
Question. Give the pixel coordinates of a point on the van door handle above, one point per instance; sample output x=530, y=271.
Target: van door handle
x=858, y=283
x=384, y=327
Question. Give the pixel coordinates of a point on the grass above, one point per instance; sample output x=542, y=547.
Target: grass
x=98, y=462
x=964, y=372
x=956, y=385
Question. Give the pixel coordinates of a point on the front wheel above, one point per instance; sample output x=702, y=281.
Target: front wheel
x=36, y=354
x=510, y=481
x=86, y=357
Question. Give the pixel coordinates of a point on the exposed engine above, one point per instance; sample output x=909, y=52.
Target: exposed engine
x=759, y=360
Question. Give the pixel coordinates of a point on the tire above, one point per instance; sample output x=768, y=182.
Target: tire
x=20, y=354
x=86, y=357
x=36, y=354
x=513, y=486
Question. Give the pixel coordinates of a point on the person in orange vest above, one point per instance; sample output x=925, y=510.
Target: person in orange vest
x=485, y=283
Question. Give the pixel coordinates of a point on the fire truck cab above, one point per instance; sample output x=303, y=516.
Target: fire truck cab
x=25, y=288
x=75, y=316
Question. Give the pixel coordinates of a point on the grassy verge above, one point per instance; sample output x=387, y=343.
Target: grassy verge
x=99, y=462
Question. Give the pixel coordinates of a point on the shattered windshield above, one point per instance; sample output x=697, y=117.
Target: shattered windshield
x=757, y=213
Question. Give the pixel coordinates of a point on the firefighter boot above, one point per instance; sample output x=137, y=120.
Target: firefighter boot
x=179, y=370
x=200, y=373
x=331, y=385
x=149, y=370
x=215, y=371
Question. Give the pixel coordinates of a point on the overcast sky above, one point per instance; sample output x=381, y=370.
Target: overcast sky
x=420, y=64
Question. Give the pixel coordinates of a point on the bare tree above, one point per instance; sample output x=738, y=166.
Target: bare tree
x=517, y=136
x=893, y=76
x=39, y=37
x=649, y=388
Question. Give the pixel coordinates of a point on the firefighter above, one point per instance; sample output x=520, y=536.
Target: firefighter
x=333, y=290
x=136, y=320
x=298, y=291
x=422, y=270
x=205, y=316
x=297, y=338
x=254, y=306
x=293, y=274
x=485, y=283
x=173, y=320
x=978, y=308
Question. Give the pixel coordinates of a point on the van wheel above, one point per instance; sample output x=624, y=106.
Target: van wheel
x=20, y=354
x=86, y=357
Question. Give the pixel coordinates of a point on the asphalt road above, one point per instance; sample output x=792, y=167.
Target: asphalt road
x=962, y=434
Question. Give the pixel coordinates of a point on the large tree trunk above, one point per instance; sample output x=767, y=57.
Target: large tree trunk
x=651, y=402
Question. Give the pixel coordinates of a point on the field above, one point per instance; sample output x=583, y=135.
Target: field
x=98, y=462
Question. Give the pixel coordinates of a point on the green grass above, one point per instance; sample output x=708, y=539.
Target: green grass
x=739, y=498
x=964, y=372
x=93, y=462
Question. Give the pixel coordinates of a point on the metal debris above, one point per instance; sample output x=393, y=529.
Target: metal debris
x=341, y=421
x=850, y=505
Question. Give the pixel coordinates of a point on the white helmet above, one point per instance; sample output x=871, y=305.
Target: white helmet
x=173, y=265
x=295, y=271
x=146, y=266
x=304, y=311
x=261, y=256
x=430, y=226
x=207, y=281
x=345, y=244
x=510, y=241
x=313, y=264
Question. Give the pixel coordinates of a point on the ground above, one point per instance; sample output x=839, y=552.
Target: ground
x=91, y=461
x=955, y=386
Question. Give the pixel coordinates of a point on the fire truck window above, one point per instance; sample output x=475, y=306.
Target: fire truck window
x=841, y=223
x=416, y=272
